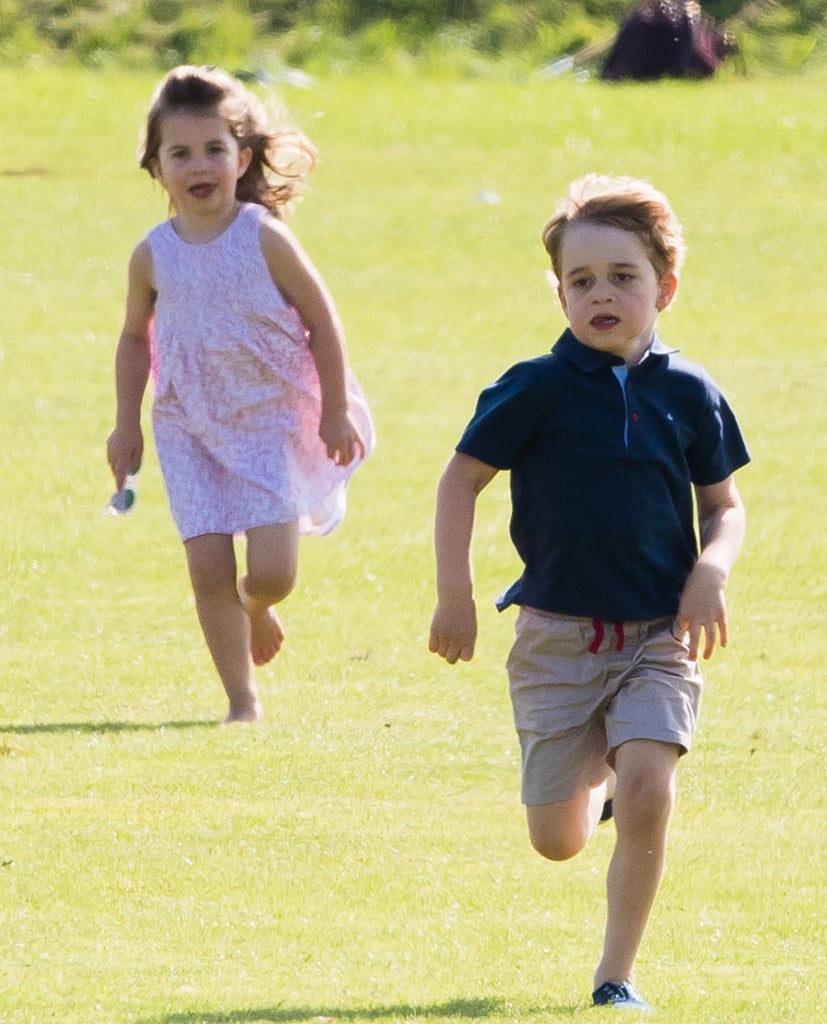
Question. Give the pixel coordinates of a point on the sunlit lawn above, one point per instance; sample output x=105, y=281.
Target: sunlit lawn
x=362, y=855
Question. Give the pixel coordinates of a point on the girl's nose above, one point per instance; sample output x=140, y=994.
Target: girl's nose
x=199, y=160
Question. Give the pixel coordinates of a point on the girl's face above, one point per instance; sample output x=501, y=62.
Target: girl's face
x=609, y=290
x=199, y=162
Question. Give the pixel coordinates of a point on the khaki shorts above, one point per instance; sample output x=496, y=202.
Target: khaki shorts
x=582, y=687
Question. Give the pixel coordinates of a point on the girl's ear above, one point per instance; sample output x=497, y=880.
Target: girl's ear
x=666, y=291
x=245, y=157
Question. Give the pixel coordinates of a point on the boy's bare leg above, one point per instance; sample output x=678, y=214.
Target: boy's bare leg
x=272, y=565
x=226, y=627
x=560, y=830
x=642, y=803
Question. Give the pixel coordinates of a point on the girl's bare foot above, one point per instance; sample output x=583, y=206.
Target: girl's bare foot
x=245, y=713
x=266, y=633
x=266, y=636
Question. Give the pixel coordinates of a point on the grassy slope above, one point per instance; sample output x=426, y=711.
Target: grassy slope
x=362, y=856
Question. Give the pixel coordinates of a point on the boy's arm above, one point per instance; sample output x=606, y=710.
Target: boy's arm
x=125, y=444
x=454, y=625
x=301, y=284
x=722, y=523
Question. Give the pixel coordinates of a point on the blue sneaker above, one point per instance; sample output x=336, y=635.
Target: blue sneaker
x=623, y=996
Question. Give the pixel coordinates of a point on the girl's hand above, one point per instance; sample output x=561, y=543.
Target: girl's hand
x=342, y=438
x=454, y=630
x=125, y=449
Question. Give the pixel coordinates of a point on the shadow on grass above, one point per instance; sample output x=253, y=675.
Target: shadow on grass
x=456, y=1009
x=101, y=727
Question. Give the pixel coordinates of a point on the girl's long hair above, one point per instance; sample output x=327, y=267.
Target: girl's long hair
x=282, y=157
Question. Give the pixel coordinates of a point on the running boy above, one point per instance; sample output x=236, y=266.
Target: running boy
x=606, y=438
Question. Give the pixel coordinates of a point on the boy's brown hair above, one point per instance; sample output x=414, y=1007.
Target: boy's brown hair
x=626, y=203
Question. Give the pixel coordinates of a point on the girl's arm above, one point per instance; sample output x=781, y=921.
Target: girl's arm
x=125, y=445
x=722, y=524
x=301, y=284
x=454, y=625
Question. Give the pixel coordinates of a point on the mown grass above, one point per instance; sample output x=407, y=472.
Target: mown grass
x=361, y=856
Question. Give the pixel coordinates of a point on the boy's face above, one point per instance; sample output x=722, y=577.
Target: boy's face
x=609, y=290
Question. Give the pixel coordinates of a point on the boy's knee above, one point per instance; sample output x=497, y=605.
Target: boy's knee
x=558, y=848
x=557, y=837
x=645, y=804
x=645, y=791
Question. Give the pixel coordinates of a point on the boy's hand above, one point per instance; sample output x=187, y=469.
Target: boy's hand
x=454, y=630
x=125, y=450
x=342, y=438
x=703, y=609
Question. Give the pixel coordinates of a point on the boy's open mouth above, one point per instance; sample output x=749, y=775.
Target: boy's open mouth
x=603, y=323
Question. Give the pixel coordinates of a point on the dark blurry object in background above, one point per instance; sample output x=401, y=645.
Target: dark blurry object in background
x=667, y=38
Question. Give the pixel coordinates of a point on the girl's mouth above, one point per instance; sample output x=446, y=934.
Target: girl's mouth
x=201, y=191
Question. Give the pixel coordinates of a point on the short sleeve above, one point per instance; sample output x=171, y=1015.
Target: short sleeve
x=719, y=447
x=505, y=419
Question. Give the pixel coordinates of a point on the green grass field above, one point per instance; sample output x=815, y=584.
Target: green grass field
x=362, y=855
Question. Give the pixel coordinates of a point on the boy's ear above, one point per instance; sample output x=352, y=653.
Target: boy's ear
x=666, y=291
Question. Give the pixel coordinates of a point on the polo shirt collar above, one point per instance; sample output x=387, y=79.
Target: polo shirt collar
x=590, y=359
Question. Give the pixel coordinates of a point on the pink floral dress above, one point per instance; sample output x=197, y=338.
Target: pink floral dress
x=237, y=398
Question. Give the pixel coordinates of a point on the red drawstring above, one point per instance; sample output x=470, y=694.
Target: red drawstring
x=599, y=633
x=597, y=626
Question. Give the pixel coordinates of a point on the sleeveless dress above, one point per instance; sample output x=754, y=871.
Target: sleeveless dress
x=237, y=398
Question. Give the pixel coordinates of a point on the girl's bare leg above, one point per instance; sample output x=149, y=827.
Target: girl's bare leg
x=226, y=627
x=272, y=565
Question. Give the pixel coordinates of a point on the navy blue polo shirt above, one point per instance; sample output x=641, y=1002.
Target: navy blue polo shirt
x=602, y=460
